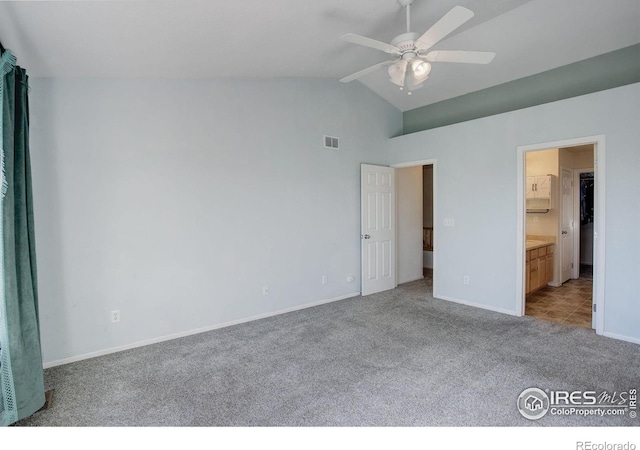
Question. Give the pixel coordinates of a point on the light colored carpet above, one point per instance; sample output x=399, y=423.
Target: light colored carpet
x=398, y=358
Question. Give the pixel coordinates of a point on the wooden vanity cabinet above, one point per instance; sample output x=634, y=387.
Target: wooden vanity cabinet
x=538, y=268
x=527, y=277
x=550, y=264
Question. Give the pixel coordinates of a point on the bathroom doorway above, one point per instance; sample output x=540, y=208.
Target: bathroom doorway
x=560, y=207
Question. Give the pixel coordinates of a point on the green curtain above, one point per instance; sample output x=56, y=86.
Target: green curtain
x=21, y=373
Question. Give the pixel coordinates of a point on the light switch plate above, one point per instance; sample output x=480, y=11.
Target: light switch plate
x=449, y=222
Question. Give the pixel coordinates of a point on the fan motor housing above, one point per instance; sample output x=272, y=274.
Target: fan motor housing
x=406, y=41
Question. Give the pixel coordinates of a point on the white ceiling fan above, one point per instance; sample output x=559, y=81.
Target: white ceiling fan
x=411, y=67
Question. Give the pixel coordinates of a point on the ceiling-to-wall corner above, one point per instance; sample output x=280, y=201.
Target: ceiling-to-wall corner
x=607, y=71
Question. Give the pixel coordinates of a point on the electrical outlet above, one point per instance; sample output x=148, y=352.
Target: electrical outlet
x=465, y=279
x=324, y=279
x=115, y=316
x=449, y=222
x=265, y=290
x=350, y=279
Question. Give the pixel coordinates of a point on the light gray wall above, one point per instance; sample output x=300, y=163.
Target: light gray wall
x=176, y=201
x=409, y=223
x=477, y=163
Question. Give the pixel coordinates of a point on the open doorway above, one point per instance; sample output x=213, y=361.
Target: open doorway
x=584, y=181
x=558, y=247
x=416, y=220
x=427, y=225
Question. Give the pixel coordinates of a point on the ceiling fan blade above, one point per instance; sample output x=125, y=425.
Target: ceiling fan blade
x=366, y=71
x=449, y=22
x=372, y=43
x=460, y=57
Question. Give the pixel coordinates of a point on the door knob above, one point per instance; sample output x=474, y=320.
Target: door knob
x=366, y=236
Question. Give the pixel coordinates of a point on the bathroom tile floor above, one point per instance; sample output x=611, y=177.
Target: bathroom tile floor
x=569, y=304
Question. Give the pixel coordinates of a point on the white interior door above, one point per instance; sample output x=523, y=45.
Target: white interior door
x=378, y=229
x=566, y=224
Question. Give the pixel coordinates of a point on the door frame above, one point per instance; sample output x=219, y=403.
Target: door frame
x=434, y=163
x=576, y=213
x=598, y=142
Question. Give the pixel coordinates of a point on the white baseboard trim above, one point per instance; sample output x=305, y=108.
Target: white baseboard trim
x=476, y=305
x=169, y=337
x=621, y=337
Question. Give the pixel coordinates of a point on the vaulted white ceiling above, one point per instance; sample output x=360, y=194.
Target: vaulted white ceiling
x=300, y=38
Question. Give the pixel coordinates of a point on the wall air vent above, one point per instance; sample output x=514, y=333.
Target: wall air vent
x=331, y=142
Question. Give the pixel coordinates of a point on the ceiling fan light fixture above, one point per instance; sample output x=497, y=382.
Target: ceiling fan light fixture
x=420, y=69
x=411, y=65
x=397, y=72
